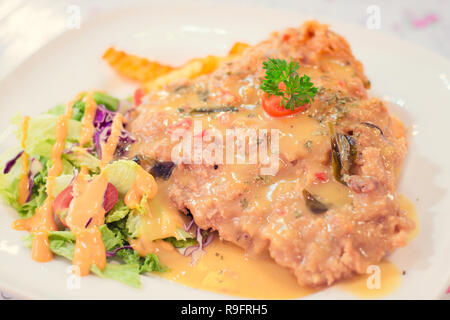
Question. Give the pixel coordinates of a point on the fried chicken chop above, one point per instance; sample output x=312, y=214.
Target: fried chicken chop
x=267, y=214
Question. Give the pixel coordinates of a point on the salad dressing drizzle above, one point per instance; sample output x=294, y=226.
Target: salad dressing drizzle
x=23, y=183
x=110, y=146
x=87, y=124
x=85, y=214
x=86, y=210
x=144, y=185
x=43, y=221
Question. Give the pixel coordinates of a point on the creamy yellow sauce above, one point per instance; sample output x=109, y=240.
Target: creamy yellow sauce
x=225, y=268
x=380, y=281
x=250, y=281
x=222, y=268
x=390, y=276
x=162, y=221
x=407, y=206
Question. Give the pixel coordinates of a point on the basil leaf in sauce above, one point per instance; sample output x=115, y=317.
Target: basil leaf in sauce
x=343, y=154
x=371, y=125
x=313, y=204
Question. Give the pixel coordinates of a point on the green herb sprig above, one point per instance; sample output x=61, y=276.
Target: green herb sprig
x=299, y=90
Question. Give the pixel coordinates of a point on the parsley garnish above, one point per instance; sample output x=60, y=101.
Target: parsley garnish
x=299, y=90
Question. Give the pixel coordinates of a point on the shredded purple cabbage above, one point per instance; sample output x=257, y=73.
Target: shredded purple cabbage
x=30, y=187
x=69, y=150
x=189, y=225
x=102, y=123
x=114, y=252
x=196, y=251
x=91, y=150
x=88, y=223
x=11, y=163
x=35, y=167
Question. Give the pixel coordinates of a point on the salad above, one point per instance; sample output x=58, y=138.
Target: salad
x=80, y=198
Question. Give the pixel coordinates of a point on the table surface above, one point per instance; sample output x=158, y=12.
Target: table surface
x=26, y=26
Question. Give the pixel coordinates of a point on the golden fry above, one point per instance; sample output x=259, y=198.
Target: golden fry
x=195, y=68
x=238, y=48
x=153, y=75
x=191, y=69
x=134, y=67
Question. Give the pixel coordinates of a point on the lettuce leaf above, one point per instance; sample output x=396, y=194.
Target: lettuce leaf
x=63, y=248
x=114, y=239
x=61, y=182
x=118, y=212
x=121, y=174
x=77, y=110
x=111, y=239
x=37, y=199
x=41, y=134
x=125, y=273
x=182, y=243
x=10, y=181
x=57, y=110
x=9, y=187
x=133, y=224
x=62, y=243
x=108, y=101
x=151, y=263
x=79, y=106
x=79, y=157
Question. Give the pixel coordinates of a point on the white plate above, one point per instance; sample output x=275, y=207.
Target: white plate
x=415, y=80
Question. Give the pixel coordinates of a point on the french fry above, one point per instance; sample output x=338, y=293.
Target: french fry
x=238, y=48
x=190, y=70
x=195, y=68
x=153, y=75
x=134, y=67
